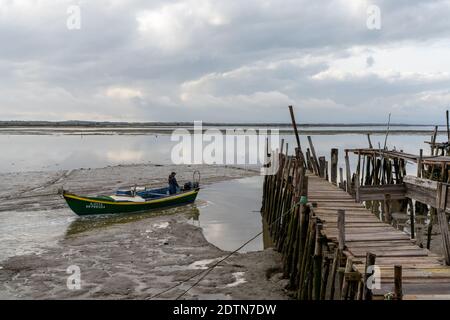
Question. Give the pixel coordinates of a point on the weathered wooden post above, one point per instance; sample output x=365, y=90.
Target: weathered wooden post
x=398, y=290
x=341, y=179
x=294, y=125
x=307, y=263
x=387, y=208
x=348, y=174
x=370, y=262
x=322, y=164
x=412, y=219
x=370, y=142
x=334, y=162
x=341, y=247
x=314, y=156
x=325, y=274
x=441, y=203
x=448, y=127
x=432, y=214
x=419, y=164
x=317, y=284
x=309, y=164
x=334, y=267
x=346, y=284
x=433, y=140
x=341, y=229
x=357, y=189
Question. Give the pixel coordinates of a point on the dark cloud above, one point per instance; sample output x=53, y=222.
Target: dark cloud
x=216, y=60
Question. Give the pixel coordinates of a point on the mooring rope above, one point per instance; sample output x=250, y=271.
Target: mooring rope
x=209, y=269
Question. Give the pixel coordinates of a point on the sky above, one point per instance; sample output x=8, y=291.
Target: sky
x=335, y=61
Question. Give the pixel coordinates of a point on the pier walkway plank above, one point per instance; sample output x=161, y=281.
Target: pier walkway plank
x=425, y=275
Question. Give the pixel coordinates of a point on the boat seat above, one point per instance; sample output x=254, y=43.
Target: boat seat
x=151, y=194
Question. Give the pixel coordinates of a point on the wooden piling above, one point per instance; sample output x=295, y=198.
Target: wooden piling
x=309, y=163
x=348, y=174
x=370, y=142
x=294, y=125
x=314, y=156
x=341, y=229
x=411, y=219
x=448, y=126
x=370, y=262
x=347, y=282
x=430, y=227
x=398, y=288
x=433, y=141
x=318, y=263
x=322, y=167
x=387, y=208
x=325, y=275
x=441, y=202
x=333, y=272
x=334, y=165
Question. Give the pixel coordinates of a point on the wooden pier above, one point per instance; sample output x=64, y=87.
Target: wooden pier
x=423, y=274
x=347, y=240
x=334, y=247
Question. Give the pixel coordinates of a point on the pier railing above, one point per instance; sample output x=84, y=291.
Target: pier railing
x=316, y=267
x=292, y=229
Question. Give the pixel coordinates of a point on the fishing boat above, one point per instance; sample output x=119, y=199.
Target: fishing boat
x=136, y=199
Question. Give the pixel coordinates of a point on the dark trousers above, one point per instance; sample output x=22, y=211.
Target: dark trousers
x=172, y=189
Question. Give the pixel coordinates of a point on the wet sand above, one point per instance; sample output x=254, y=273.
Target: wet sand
x=135, y=259
x=39, y=190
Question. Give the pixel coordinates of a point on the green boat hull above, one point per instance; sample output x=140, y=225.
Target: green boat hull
x=101, y=205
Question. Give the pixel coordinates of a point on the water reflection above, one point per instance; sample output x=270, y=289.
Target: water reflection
x=54, y=152
x=89, y=223
x=227, y=212
x=232, y=215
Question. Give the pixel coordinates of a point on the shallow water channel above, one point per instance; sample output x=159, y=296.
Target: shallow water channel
x=227, y=212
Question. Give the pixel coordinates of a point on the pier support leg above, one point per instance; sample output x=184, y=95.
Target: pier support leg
x=334, y=165
x=369, y=272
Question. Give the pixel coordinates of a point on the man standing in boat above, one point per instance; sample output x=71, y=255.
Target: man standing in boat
x=173, y=184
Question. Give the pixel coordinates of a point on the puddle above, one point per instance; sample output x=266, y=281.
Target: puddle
x=239, y=279
x=162, y=225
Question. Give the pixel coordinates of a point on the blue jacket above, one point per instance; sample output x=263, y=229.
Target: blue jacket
x=173, y=184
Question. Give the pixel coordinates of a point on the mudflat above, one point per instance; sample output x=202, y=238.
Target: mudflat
x=138, y=258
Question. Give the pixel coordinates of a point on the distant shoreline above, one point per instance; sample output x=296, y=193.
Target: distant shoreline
x=92, y=131
x=86, y=128
x=107, y=124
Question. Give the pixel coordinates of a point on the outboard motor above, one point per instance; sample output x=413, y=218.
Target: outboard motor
x=194, y=184
x=187, y=186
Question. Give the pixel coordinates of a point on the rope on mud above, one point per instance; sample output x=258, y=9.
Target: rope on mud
x=211, y=268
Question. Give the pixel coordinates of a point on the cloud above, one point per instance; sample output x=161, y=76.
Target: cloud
x=370, y=61
x=171, y=27
x=184, y=60
x=123, y=93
